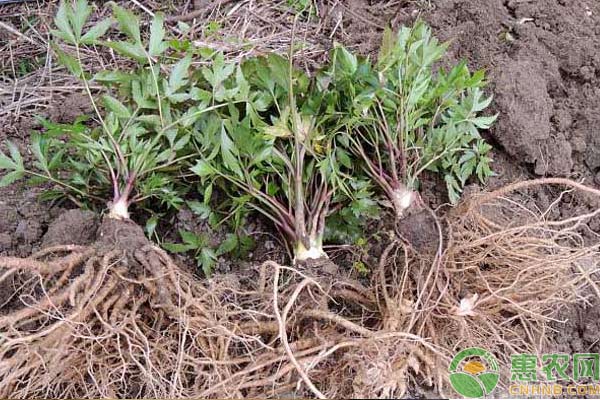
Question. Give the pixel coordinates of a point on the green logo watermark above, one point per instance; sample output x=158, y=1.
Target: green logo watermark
x=474, y=372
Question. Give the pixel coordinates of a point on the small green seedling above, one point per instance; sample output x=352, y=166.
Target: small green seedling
x=205, y=253
x=133, y=151
x=271, y=153
x=404, y=117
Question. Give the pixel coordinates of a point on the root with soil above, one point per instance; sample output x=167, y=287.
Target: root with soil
x=119, y=319
x=106, y=321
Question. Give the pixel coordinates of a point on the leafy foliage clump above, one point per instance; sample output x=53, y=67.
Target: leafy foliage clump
x=274, y=154
x=305, y=152
x=133, y=151
x=403, y=117
x=205, y=253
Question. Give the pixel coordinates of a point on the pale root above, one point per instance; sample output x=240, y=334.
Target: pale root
x=313, y=252
x=119, y=209
x=402, y=199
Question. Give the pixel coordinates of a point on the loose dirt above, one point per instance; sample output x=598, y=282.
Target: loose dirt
x=72, y=227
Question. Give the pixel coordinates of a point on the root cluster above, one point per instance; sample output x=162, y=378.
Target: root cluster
x=114, y=320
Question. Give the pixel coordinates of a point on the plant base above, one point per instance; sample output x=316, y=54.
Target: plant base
x=119, y=210
x=314, y=252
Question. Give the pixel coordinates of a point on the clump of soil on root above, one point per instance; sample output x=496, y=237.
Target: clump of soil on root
x=119, y=319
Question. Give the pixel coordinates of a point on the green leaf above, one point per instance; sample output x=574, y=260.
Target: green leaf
x=112, y=77
x=483, y=169
x=140, y=96
x=246, y=243
x=156, y=45
x=280, y=130
x=116, y=106
x=131, y=50
x=129, y=23
x=56, y=160
x=70, y=62
x=208, y=193
x=36, y=148
x=183, y=27
x=96, y=32
x=200, y=209
x=150, y=226
x=481, y=105
x=228, y=245
x=15, y=155
x=344, y=158
x=191, y=238
x=345, y=61
x=207, y=260
x=229, y=152
x=453, y=188
x=484, y=122
x=279, y=68
x=177, y=247
x=387, y=44
x=182, y=142
x=6, y=162
x=79, y=15
x=203, y=169
x=61, y=20
x=180, y=73
x=178, y=97
x=11, y=177
x=467, y=169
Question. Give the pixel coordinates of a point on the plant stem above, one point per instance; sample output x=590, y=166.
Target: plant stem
x=115, y=145
x=63, y=184
x=313, y=250
x=175, y=161
x=155, y=81
x=119, y=209
x=199, y=112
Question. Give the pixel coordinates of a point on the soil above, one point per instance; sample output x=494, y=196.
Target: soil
x=543, y=64
x=72, y=227
x=420, y=231
x=68, y=108
x=23, y=221
x=123, y=235
x=581, y=327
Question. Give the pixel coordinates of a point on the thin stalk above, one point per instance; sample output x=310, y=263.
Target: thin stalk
x=298, y=192
x=288, y=230
x=276, y=206
x=199, y=112
x=115, y=145
x=402, y=151
x=378, y=176
x=155, y=81
x=389, y=144
x=175, y=161
x=63, y=184
x=97, y=111
x=434, y=159
x=114, y=179
x=318, y=222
